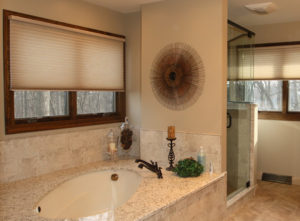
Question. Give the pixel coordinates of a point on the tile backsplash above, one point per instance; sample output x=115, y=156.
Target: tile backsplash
x=22, y=158
x=154, y=147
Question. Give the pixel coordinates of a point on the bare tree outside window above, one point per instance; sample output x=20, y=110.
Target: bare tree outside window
x=93, y=102
x=240, y=91
x=294, y=96
x=39, y=104
x=266, y=94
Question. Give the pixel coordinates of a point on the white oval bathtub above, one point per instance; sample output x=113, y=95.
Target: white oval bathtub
x=89, y=194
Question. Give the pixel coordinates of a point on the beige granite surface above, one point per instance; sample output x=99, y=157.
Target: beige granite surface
x=18, y=199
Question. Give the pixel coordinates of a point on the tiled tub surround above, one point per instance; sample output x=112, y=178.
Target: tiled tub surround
x=207, y=204
x=156, y=199
x=153, y=146
x=36, y=155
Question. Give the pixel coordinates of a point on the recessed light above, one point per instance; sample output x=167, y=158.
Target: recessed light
x=262, y=8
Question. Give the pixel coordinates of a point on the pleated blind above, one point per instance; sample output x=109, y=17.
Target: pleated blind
x=277, y=62
x=46, y=56
x=243, y=66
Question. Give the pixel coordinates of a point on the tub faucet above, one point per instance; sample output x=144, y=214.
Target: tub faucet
x=150, y=166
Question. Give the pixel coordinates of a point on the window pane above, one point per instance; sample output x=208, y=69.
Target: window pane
x=294, y=96
x=93, y=102
x=39, y=104
x=268, y=95
x=240, y=91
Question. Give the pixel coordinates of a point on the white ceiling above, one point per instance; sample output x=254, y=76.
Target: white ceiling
x=287, y=11
x=124, y=6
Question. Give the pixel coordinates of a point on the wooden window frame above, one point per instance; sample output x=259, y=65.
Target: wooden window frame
x=284, y=114
x=13, y=126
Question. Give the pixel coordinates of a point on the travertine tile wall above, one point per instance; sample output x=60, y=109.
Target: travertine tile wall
x=253, y=144
x=32, y=156
x=153, y=146
x=208, y=204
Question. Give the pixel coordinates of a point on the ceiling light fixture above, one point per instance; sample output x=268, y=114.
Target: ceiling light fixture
x=262, y=8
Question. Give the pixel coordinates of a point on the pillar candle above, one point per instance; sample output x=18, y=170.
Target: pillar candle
x=171, y=132
x=112, y=147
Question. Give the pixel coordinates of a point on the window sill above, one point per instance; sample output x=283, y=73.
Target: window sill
x=22, y=127
x=278, y=116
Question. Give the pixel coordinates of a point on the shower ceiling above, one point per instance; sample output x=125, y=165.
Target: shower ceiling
x=288, y=11
x=124, y=6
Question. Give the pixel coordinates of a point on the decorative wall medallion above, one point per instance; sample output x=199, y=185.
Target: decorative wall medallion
x=177, y=76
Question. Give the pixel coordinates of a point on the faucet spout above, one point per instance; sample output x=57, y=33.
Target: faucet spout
x=150, y=166
x=144, y=162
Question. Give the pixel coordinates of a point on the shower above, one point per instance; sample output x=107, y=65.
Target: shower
x=240, y=95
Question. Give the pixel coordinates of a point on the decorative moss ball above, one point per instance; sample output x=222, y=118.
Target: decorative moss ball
x=188, y=168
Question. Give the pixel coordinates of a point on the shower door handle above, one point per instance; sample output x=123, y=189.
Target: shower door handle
x=229, y=120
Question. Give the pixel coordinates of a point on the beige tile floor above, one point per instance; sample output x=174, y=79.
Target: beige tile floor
x=272, y=202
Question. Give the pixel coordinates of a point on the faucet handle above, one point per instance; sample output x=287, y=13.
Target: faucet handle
x=154, y=164
x=159, y=174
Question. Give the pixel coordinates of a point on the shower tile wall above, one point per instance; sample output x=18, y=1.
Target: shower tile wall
x=154, y=147
x=32, y=156
x=253, y=144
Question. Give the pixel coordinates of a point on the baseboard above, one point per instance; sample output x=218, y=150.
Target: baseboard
x=296, y=180
x=259, y=175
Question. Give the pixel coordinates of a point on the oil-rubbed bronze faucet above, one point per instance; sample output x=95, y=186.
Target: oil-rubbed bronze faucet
x=152, y=167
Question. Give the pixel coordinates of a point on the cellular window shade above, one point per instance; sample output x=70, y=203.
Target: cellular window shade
x=45, y=56
x=277, y=62
x=241, y=63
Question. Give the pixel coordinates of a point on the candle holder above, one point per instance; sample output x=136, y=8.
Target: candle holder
x=171, y=155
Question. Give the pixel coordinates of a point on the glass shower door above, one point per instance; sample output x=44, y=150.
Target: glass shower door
x=240, y=96
x=238, y=147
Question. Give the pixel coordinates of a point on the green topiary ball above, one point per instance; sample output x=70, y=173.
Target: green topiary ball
x=188, y=168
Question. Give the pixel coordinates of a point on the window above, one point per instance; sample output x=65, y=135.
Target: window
x=276, y=99
x=39, y=104
x=279, y=63
x=59, y=75
x=268, y=95
x=294, y=96
x=275, y=86
x=93, y=102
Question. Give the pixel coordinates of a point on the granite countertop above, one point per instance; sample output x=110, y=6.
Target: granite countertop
x=18, y=199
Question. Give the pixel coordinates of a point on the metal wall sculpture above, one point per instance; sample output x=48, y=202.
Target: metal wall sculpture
x=177, y=76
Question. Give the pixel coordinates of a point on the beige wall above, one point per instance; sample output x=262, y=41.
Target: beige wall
x=198, y=23
x=278, y=141
x=133, y=70
x=278, y=147
x=277, y=32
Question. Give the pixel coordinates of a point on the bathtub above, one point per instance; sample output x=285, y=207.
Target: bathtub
x=90, y=195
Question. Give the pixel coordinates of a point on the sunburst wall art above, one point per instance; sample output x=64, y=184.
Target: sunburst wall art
x=177, y=76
